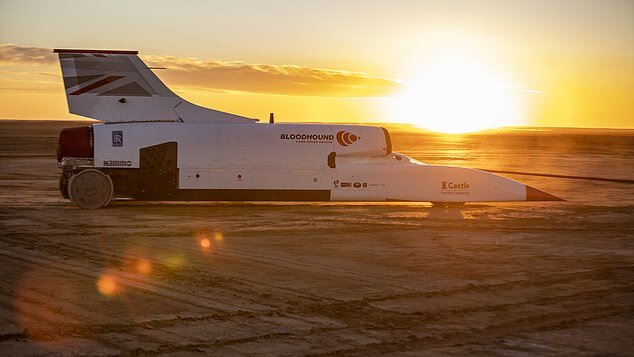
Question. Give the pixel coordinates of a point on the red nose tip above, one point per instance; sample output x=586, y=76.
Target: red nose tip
x=533, y=194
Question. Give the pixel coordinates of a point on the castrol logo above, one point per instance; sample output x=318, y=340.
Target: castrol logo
x=345, y=138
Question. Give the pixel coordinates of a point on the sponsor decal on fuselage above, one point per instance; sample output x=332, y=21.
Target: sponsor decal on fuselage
x=455, y=188
x=345, y=138
x=309, y=138
x=117, y=138
x=338, y=183
x=117, y=163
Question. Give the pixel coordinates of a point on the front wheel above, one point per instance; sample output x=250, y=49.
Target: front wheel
x=90, y=189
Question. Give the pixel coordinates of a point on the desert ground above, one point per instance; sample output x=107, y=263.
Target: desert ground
x=310, y=279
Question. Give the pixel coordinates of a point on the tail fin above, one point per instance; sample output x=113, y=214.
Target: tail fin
x=116, y=86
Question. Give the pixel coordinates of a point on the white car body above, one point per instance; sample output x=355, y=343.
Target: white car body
x=157, y=146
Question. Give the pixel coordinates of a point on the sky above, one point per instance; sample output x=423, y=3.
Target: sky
x=437, y=64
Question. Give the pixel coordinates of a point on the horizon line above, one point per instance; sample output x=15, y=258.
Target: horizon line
x=526, y=127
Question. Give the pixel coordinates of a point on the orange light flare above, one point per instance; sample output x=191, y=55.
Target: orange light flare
x=205, y=243
x=207, y=238
x=29, y=302
x=143, y=266
x=108, y=286
x=136, y=263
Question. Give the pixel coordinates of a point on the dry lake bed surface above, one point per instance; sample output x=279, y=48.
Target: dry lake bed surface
x=310, y=279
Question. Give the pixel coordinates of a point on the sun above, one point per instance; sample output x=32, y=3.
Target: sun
x=459, y=95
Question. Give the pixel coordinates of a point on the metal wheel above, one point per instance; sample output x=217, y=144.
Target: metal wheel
x=90, y=189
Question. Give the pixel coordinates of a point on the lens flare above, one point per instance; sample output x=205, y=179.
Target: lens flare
x=205, y=243
x=143, y=266
x=218, y=237
x=174, y=261
x=107, y=285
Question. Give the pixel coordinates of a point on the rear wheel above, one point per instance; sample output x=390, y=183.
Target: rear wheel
x=90, y=189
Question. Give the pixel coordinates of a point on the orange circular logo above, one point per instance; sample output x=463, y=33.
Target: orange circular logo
x=345, y=138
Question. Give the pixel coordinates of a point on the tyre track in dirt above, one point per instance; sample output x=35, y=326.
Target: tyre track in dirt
x=455, y=326
x=72, y=321
x=74, y=327
x=364, y=316
x=268, y=261
x=235, y=283
x=254, y=258
x=391, y=316
x=200, y=300
x=265, y=261
x=451, y=314
x=455, y=336
x=44, y=318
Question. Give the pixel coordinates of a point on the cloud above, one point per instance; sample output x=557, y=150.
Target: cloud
x=30, y=81
x=265, y=78
x=199, y=74
x=11, y=54
x=193, y=73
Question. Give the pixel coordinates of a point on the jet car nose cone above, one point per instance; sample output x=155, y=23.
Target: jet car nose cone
x=533, y=194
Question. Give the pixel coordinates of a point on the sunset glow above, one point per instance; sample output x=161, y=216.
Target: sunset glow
x=459, y=95
x=450, y=69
